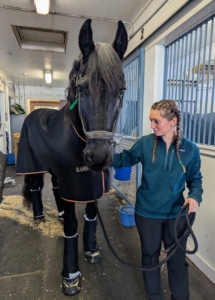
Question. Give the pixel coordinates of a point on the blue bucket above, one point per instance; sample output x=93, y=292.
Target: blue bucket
x=127, y=215
x=122, y=174
x=10, y=159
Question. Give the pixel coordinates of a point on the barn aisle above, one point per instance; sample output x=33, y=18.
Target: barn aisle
x=31, y=255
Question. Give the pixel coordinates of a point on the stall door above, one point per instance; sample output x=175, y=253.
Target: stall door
x=129, y=127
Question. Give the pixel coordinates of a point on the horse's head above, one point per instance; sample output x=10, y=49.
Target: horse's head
x=99, y=86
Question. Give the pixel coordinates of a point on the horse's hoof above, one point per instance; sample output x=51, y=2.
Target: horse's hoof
x=40, y=220
x=93, y=257
x=71, y=287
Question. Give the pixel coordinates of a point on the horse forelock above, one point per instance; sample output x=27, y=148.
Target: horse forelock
x=103, y=70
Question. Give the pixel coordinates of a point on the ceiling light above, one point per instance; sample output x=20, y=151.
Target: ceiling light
x=48, y=76
x=42, y=6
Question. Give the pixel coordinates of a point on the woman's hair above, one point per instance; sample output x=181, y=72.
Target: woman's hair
x=169, y=109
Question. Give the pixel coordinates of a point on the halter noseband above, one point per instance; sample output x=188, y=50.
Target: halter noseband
x=99, y=134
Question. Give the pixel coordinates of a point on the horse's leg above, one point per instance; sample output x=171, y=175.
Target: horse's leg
x=71, y=274
x=58, y=199
x=32, y=193
x=89, y=235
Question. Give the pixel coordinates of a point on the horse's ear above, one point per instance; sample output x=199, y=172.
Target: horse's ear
x=86, y=43
x=121, y=40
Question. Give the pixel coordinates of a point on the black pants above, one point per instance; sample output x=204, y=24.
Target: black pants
x=152, y=232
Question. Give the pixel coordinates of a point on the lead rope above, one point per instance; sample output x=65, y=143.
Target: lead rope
x=169, y=251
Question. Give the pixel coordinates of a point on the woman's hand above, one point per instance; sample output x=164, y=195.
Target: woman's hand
x=193, y=205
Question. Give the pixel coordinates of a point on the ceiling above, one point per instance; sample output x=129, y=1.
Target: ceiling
x=23, y=66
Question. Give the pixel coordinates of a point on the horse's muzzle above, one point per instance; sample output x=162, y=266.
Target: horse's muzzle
x=98, y=154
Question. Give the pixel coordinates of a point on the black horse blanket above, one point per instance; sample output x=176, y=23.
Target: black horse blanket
x=47, y=144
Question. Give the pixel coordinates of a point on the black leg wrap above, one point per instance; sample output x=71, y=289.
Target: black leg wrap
x=89, y=235
x=89, y=240
x=58, y=199
x=37, y=204
x=70, y=257
x=71, y=287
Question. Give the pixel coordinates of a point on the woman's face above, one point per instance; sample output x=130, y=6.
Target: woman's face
x=160, y=125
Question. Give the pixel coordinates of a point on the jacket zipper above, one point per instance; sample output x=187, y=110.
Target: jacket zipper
x=170, y=160
x=165, y=162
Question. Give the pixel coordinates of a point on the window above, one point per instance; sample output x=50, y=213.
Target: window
x=190, y=81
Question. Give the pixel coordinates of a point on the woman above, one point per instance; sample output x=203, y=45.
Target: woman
x=169, y=162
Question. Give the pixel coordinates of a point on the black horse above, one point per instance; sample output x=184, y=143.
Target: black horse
x=75, y=145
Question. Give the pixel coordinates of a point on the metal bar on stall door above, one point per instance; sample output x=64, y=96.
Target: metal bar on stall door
x=208, y=79
x=184, y=83
x=202, y=85
x=132, y=98
x=212, y=102
x=125, y=103
x=137, y=80
x=181, y=68
x=211, y=114
x=170, y=69
x=172, y=75
x=140, y=89
x=176, y=77
x=136, y=99
x=165, y=82
x=127, y=121
x=136, y=95
x=194, y=33
x=173, y=71
x=188, y=84
x=197, y=86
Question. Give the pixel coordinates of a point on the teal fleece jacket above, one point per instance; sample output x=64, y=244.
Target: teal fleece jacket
x=160, y=195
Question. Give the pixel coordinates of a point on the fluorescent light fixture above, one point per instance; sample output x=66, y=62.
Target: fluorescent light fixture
x=42, y=6
x=48, y=76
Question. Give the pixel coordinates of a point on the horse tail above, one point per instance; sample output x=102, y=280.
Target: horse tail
x=31, y=182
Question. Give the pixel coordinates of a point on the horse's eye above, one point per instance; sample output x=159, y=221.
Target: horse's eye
x=80, y=89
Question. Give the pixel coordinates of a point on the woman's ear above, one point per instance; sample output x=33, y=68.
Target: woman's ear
x=174, y=121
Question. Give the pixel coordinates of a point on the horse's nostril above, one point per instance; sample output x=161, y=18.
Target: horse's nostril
x=88, y=158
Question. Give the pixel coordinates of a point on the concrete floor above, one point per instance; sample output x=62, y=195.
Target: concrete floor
x=31, y=258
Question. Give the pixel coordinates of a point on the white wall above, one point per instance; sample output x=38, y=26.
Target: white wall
x=153, y=82
x=204, y=224
x=4, y=112
x=46, y=93
x=2, y=127
x=38, y=93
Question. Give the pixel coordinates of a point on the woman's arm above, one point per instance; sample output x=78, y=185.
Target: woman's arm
x=128, y=158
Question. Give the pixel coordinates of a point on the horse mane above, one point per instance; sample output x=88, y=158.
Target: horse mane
x=103, y=70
